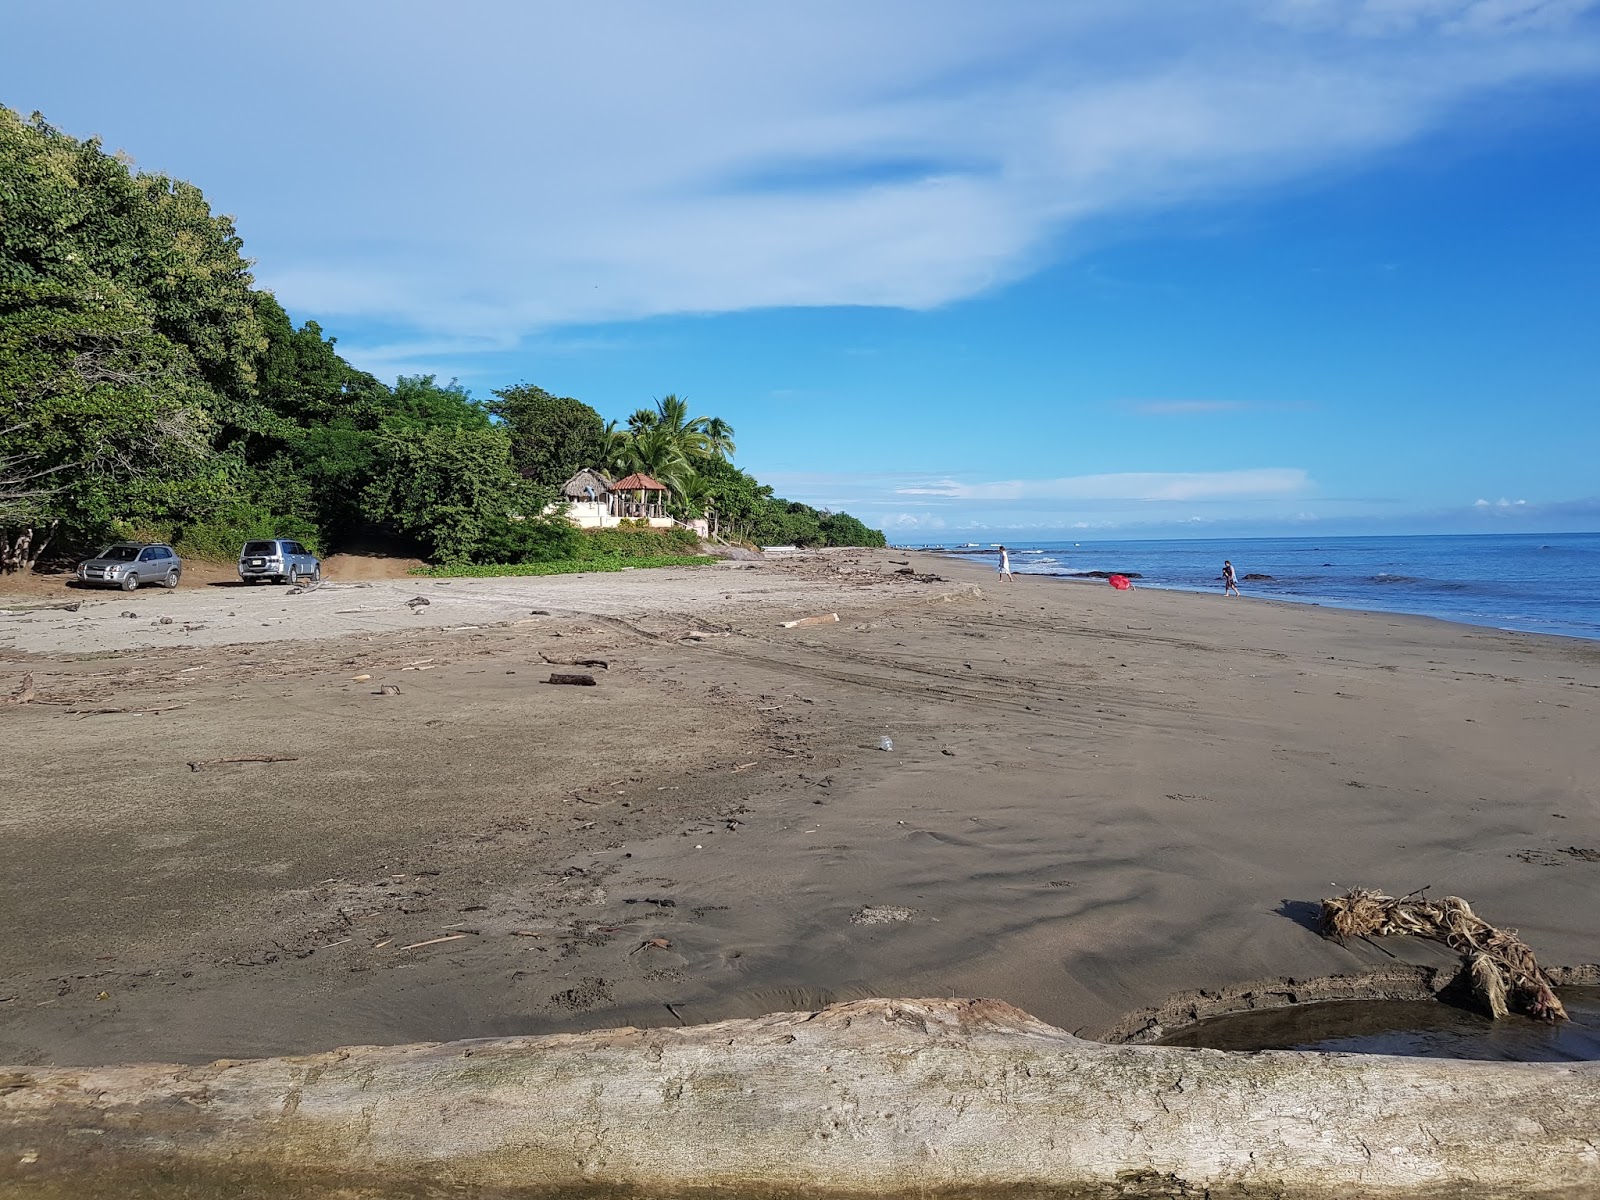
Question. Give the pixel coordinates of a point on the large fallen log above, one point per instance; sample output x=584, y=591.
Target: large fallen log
x=875, y=1098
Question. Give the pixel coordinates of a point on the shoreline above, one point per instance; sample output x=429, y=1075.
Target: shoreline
x=1309, y=602
x=1526, y=583
x=1095, y=801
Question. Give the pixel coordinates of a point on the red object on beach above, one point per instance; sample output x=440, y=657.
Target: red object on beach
x=1121, y=582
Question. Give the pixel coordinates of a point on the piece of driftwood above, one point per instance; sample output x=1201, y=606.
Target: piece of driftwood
x=451, y=937
x=933, y=1098
x=1501, y=966
x=201, y=764
x=575, y=680
x=24, y=692
x=829, y=619
x=150, y=710
x=574, y=662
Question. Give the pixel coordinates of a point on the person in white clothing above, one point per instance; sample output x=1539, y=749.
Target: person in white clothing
x=1005, y=564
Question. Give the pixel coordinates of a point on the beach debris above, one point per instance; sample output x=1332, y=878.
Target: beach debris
x=128, y=612
x=886, y=743
x=827, y=619
x=165, y=621
x=202, y=763
x=417, y=602
x=648, y=943
x=153, y=710
x=360, y=678
x=881, y=914
x=576, y=680
x=1121, y=582
x=387, y=689
x=24, y=692
x=574, y=662
x=1501, y=967
x=451, y=937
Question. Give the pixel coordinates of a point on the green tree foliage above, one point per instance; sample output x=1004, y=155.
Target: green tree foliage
x=448, y=487
x=552, y=437
x=102, y=423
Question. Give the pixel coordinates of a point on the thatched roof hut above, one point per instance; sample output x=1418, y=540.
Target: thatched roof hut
x=587, y=484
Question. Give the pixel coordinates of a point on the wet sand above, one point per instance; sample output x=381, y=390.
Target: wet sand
x=1094, y=800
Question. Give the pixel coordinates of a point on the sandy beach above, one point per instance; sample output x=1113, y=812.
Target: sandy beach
x=1094, y=800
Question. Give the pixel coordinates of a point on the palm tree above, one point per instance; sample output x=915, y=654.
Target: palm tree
x=719, y=437
x=666, y=442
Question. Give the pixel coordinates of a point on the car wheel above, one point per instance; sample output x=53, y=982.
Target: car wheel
x=316, y=573
x=286, y=578
x=130, y=583
x=172, y=579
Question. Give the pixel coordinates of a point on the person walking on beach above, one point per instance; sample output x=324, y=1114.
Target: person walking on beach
x=1230, y=581
x=1005, y=565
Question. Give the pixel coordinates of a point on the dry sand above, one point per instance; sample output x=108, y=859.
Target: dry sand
x=1094, y=800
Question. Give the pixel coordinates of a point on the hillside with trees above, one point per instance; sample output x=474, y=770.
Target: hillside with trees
x=149, y=390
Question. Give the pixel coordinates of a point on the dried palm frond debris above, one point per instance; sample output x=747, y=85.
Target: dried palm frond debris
x=1499, y=965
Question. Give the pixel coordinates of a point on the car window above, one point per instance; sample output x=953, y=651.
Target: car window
x=148, y=553
x=299, y=549
x=259, y=548
x=119, y=553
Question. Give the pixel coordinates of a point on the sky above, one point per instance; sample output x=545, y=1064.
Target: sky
x=1106, y=268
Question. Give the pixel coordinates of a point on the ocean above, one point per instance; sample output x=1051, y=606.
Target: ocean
x=1535, y=583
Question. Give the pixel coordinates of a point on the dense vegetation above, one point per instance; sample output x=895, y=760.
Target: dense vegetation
x=149, y=390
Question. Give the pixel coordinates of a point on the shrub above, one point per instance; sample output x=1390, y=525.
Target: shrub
x=632, y=541
x=534, y=540
x=220, y=538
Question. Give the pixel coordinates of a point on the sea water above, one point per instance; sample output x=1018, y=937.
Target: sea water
x=1538, y=583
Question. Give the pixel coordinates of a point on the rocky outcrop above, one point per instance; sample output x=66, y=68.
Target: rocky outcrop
x=872, y=1098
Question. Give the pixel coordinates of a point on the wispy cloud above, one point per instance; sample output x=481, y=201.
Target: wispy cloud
x=1137, y=486
x=541, y=170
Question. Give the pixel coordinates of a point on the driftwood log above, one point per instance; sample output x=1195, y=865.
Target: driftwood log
x=882, y=1098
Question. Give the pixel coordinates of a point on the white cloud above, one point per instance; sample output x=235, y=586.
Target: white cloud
x=1137, y=486
x=502, y=167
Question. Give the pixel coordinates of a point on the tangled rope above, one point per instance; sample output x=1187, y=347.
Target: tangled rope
x=1500, y=965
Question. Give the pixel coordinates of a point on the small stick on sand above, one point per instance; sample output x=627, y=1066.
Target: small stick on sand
x=243, y=758
x=434, y=941
x=573, y=662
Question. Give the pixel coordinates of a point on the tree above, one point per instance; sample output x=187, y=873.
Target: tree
x=102, y=419
x=446, y=486
x=552, y=437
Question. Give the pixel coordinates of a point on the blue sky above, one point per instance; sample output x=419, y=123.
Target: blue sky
x=1105, y=268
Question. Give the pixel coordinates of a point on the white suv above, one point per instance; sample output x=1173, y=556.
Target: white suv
x=280, y=559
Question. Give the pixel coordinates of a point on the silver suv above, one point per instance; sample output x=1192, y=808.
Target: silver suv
x=128, y=564
x=281, y=559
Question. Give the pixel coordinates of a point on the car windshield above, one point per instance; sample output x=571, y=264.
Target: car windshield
x=260, y=548
x=119, y=553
